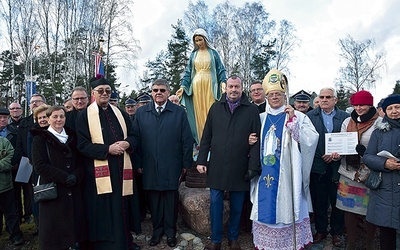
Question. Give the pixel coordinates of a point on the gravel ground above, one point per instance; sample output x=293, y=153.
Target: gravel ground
x=245, y=238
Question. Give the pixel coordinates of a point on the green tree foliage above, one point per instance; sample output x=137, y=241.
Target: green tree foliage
x=343, y=97
x=157, y=68
x=176, y=63
x=260, y=63
x=396, y=89
x=171, y=64
x=58, y=38
x=6, y=78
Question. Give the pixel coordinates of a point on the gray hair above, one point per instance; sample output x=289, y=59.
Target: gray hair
x=161, y=82
x=330, y=89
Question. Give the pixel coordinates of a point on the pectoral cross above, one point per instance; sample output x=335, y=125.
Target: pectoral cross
x=268, y=179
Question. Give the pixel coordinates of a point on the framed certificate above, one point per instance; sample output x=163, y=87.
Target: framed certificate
x=343, y=143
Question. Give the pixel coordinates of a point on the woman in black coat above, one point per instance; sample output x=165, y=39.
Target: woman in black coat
x=55, y=159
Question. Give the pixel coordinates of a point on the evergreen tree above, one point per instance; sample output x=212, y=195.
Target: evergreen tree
x=343, y=97
x=171, y=64
x=6, y=78
x=178, y=48
x=157, y=68
x=260, y=63
x=396, y=89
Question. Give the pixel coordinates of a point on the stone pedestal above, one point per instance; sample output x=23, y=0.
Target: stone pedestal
x=194, y=208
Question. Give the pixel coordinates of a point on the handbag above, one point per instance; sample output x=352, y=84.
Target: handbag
x=45, y=192
x=362, y=173
x=374, y=180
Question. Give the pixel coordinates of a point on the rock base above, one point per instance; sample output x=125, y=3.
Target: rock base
x=194, y=208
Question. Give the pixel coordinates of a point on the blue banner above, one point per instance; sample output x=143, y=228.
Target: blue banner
x=30, y=90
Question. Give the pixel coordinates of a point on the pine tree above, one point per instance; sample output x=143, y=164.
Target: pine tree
x=178, y=49
x=396, y=89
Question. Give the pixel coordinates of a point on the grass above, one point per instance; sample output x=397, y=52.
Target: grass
x=31, y=242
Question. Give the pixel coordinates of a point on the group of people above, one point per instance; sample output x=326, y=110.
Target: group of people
x=112, y=165
x=284, y=162
x=89, y=153
x=294, y=176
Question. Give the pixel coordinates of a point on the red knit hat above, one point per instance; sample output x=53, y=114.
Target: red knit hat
x=362, y=98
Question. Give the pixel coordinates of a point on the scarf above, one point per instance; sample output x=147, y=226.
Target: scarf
x=232, y=105
x=360, y=124
x=101, y=168
x=62, y=137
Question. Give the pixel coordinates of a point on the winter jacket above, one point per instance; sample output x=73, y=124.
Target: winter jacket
x=6, y=153
x=384, y=203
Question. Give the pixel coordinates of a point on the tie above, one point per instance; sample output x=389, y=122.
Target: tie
x=159, y=110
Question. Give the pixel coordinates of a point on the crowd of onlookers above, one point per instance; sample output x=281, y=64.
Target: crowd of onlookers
x=59, y=143
x=112, y=166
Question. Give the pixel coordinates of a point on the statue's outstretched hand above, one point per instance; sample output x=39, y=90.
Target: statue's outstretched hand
x=179, y=93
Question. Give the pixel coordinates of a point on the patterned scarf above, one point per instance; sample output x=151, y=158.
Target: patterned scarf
x=232, y=105
x=360, y=124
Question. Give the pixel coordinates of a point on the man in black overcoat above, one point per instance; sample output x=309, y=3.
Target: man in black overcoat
x=233, y=162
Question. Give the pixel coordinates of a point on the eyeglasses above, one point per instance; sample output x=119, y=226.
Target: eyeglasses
x=36, y=101
x=256, y=90
x=77, y=99
x=14, y=108
x=101, y=91
x=325, y=96
x=161, y=90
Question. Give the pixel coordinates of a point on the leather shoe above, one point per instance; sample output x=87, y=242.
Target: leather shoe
x=171, y=242
x=154, y=241
x=319, y=237
x=213, y=246
x=234, y=245
x=337, y=241
x=135, y=246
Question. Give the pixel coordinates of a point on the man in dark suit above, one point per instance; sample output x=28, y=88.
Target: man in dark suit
x=165, y=143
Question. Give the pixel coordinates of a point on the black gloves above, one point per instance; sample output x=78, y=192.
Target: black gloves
x=71, y=180
x=251, y=174
x=360, y=149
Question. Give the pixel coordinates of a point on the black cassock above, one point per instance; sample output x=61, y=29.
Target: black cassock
x=109, y=216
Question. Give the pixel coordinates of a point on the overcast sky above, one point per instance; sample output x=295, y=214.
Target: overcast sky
x=319, y=23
